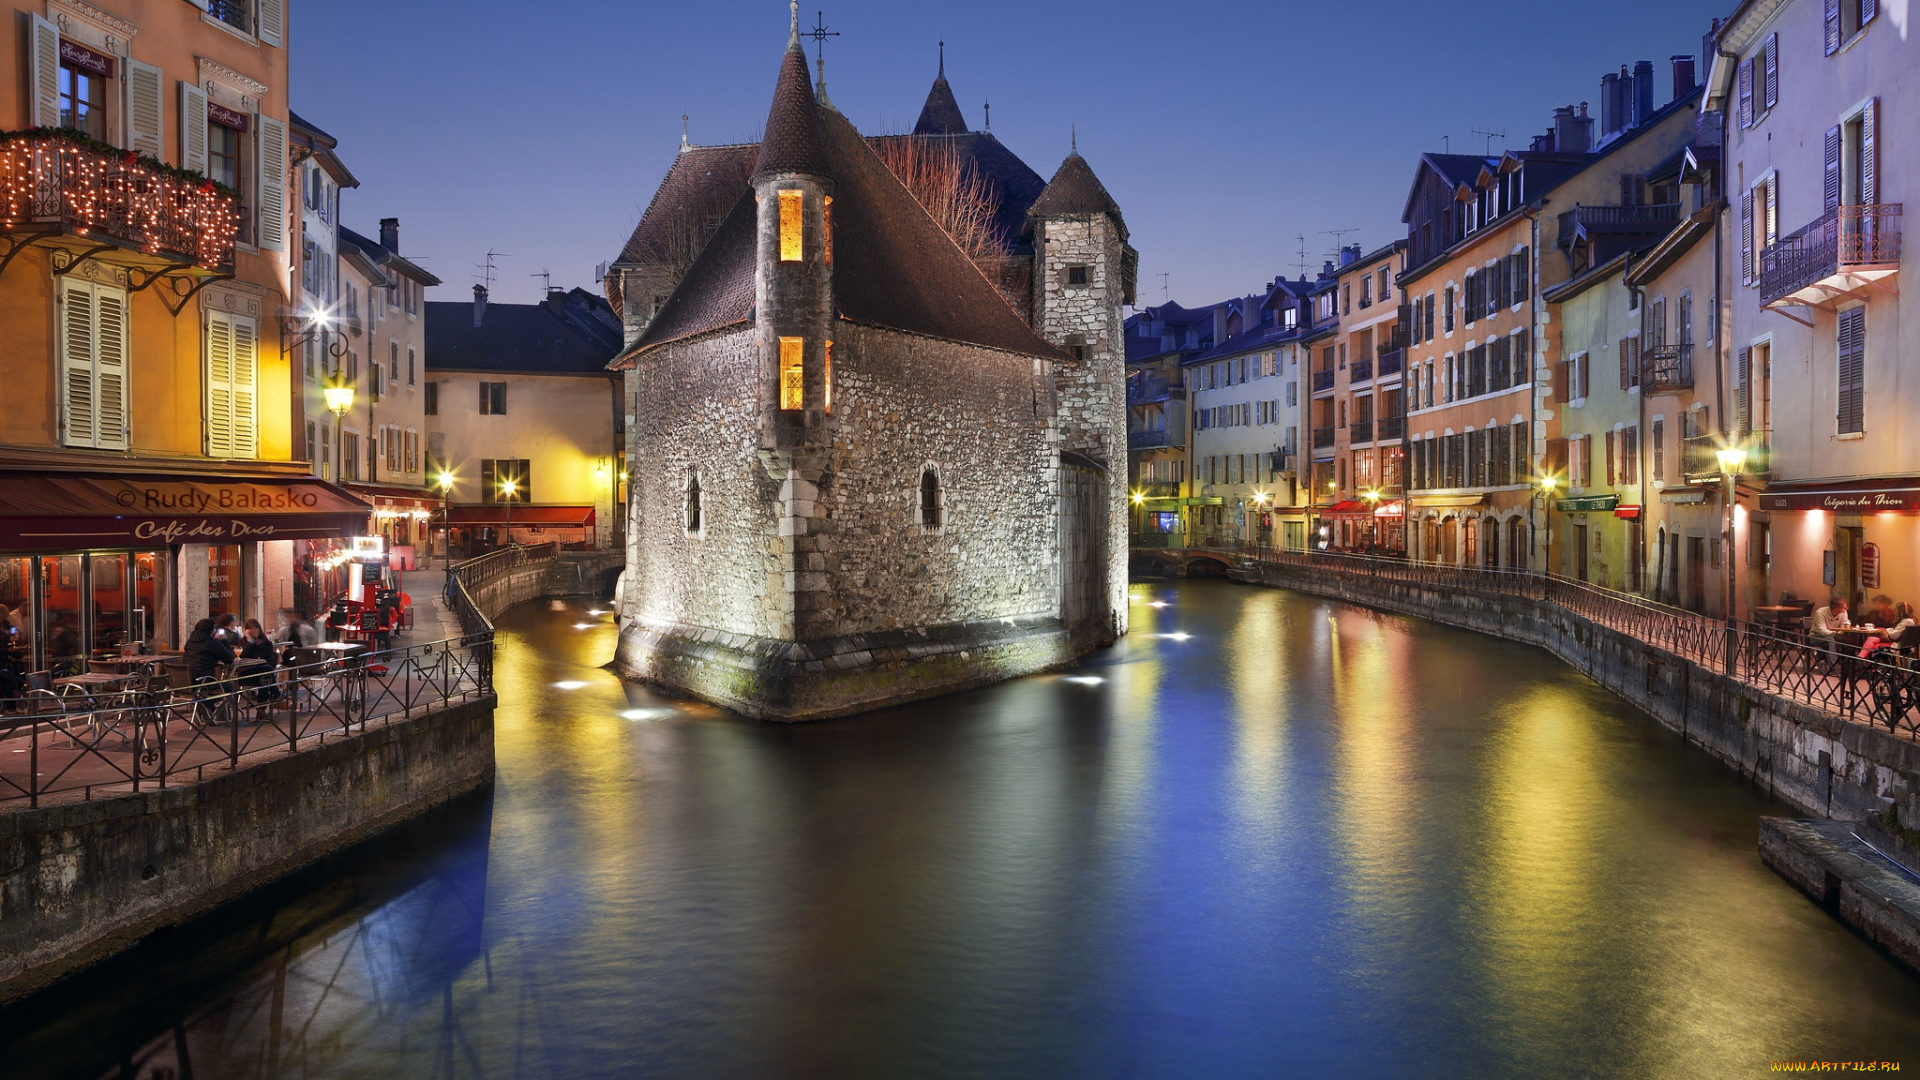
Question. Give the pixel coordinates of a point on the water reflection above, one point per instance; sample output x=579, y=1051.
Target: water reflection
x=1266, y=835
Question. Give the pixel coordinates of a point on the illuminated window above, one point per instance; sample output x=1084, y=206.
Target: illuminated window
x=792, y=372
x=826, y=212
x=826, y=380
x=790, y=205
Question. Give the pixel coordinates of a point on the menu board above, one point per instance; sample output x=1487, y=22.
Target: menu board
x=223, y=580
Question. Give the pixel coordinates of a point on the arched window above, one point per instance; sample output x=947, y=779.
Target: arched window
x=931, y=499
x=693, y=500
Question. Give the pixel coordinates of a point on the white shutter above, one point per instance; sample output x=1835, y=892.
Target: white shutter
x=271, y=20
x=272, y=203
x=1869, y=184
x=1773, y=211
x=78, y=397
x=193, y=128
x=43, y=74
x=144, y=109
x=110, y=368
x=219, y=386
x=246, y=389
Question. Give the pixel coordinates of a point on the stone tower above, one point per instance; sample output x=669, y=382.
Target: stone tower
x=1084, y=270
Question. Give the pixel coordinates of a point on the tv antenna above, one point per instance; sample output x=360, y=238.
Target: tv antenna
x=1491, y=135
x=1446, y=144
x=1302, y=240
x=1164, y=278
x=546, y=278
x=488, y=269
x=1337, y=234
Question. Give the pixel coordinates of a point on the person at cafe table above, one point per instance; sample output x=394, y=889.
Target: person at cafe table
x=1830, y=618
x=1880, y=612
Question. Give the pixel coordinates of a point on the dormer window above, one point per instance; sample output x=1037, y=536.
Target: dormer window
x=792, y=203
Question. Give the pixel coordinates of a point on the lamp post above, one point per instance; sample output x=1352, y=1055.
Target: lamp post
x=339, y=395
x=1547, y=486
x=508, y=487
x=1733, y=459
x=444, y=481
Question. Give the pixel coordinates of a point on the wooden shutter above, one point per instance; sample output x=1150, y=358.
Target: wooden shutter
x=1612, y=449
x=43, y=74
x=1742, y=374
x=1771, y=234
x=1562, y=380
x=220, y=386
x=1745, y=81
x=272, y=18
x=1659, y=450
x=1833, y=26
x=486, y=402
x=145, y=109
x=79, y=407
x=1869, y=185
x=1852, y=370
x=1771, y=91
x=1832, y=186
x=1746, y=237
x=110, y=331
x=272, y=214
x=245, y=385
x=1625, y=377
x=193, y=128
x=1868, y=9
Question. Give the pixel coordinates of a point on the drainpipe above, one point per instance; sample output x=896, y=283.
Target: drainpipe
x=1639, y=554
x=1534, y=344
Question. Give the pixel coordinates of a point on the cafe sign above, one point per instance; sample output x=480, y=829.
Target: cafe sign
x=1870, y=566
x=51, y=512
x=1888, y=500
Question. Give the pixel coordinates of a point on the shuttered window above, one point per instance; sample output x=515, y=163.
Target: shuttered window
x=1852, y=370
x=233, y=376
x=1830, y=187
x=1742, y=379
x=145, y=109
x=93, y=365
x=1659, y=449
x=1869, y=186
x=1745, y=80
x=272, y=175
x=43, y=74
x=193, y=128
x=1771, y=68
x=1746, y=237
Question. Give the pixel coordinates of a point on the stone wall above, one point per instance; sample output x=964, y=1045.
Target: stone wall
x=517, y=586
x=1817, y=762
x=82, y=881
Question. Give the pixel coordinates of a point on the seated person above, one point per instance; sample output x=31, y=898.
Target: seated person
x=1880, y=611
x=256, y=645
x=205, y=653
x=1830, y=618
x=1903, y=622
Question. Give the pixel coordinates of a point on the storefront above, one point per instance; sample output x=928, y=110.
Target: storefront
x=1858, y=539
x=1446, y=528
x=477, y=530
x=94, y=564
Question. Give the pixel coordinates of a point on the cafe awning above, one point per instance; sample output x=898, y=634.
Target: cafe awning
x=1588, y=504
x=551, y=517
x=1631, y=512
x=1899, y=495
x=44, y=511
x=1437, y=501
x=1348, y=508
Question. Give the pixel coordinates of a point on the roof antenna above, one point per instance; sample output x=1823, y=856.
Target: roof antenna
x=487, y=268
x=1446, y=144
x=1491, y=135
x=684, y=144
x=1164, y=276
x=546, y=278
x=820, y=34
x=1303, y=255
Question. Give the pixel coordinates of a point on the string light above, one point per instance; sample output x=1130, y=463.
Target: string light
x=48, y=175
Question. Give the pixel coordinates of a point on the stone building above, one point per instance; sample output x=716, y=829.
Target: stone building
x=860, y=474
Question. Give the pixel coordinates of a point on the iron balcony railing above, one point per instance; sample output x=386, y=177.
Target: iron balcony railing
x=1699, y=457
x=1844, y=239
x=1617, y=219
x=1360, y=371
x=1148, y=440
x=1360, y=431
x=1668, y=367
x=472, y=575
x=1389, y=428
x=1322, y=436
x=1391, y=362
x=60, y=181
x=1150, y=389
x=1322, y=380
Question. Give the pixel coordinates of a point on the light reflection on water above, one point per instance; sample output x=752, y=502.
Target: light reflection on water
x=1407, y=851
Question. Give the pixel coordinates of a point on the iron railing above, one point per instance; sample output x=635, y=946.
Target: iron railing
x=1668, y=367
x=1360, y=371
x=1391, y=362
x=231, y=12
x=1842, y=239
x=1322, y=436
x=1148, y=440
x=1607, y=219
x=1360, y=431
x=473, y=574
x=1389, y=428
x=56, y=180
x=1322, y=380
x=74, y=743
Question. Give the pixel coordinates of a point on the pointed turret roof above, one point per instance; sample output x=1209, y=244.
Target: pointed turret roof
x=1074, y=190
x=941, y=114
x=792, y=142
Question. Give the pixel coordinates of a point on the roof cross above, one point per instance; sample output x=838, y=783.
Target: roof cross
x=820, y=34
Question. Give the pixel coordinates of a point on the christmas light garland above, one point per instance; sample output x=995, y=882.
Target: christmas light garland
x=52, y=175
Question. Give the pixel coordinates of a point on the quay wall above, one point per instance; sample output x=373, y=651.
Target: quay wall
x=81, y=881
x=1822, y=764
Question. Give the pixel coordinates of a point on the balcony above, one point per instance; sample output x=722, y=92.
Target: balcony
x=1391, y=362
x=1148, y=440
x=1617, y=220
x=1146, y=389
x=1322, y=382
x=1390, y=429
x=1698, y=457
x=1359, y=371
x=1360, y=432
x=1322, y=437
x=1847, y=250
x=1667, y=367
x=93, y=202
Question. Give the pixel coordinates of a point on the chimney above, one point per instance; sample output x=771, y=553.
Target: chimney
x=479, y=305
x=1609, y=104
x=1326, y=268
x=1682, y=76
x=1642, y=91
x=1349, y=254
x=390, y=234
x=1572, y=134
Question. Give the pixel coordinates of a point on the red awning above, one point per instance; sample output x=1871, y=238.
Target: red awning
x=67, y=511
x=1631, y=513
x=1896, y=495
x=566, y=517
x=1356, y=508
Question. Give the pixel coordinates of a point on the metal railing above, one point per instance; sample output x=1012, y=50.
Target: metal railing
x=1148, y=440
x=1322, y=436
x=1322, y=380
x=231, y=12
x=1360, y=371
x=1391, y=362
x=1668, y=367
x=1882, y=688
x=72, y=743
x=1389, y=428
x=476, y=573
x=53, y=179
x=1842, y=239
x=1619, y=218
x=1360, y=431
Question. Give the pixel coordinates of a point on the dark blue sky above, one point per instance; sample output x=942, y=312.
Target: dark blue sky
x=1225, y=128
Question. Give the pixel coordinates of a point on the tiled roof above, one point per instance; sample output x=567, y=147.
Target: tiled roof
x=717, y=290
x=701, y=185
x=390, y=260
x=572, y=333
x=941, y=114
x=792, y=141
x=1013, y=185
x=1075, y=190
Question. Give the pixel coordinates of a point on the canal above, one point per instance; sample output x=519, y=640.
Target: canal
x=1266, y=835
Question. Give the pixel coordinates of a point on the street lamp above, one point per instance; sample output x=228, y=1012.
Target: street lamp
x=1547, y=485
x=339, y=395
x=444, y=481
x=508, y=487
x=1733, y=460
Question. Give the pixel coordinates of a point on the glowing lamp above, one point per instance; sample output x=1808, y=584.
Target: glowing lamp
x=1732, y=459
x=339, y=395
x=1139, y=498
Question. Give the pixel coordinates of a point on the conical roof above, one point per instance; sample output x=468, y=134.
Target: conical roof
x=792, y=142
x=1074, y=190
x=941, y=114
